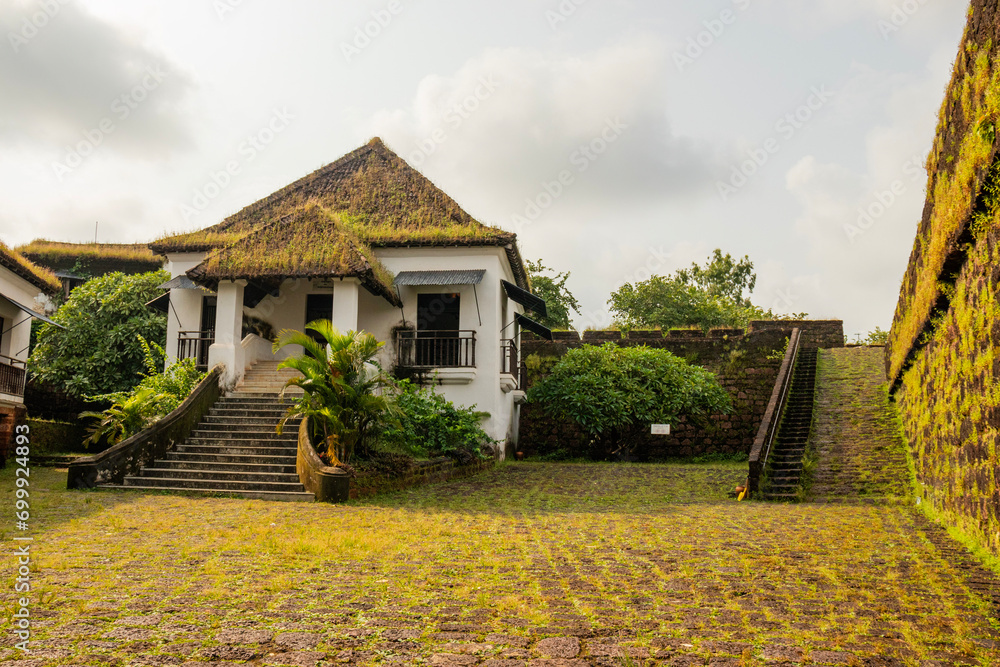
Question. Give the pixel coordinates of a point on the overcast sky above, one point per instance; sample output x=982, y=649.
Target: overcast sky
x=617, y=137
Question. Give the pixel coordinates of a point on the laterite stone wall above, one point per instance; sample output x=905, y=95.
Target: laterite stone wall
x=740, y=361
x=942, y=358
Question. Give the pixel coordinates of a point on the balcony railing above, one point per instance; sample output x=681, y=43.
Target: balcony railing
x=12, y=374
x=436, y=349
x=194, y=345
x=510, y=360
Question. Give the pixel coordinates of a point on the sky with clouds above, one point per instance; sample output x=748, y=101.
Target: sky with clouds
x=618, y=138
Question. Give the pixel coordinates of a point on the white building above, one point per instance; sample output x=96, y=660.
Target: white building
x=21, y=282
x=369, y=243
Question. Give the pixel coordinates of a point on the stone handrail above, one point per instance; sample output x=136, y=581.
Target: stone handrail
x=329, y=485
x=772, y=417
x=130, y=455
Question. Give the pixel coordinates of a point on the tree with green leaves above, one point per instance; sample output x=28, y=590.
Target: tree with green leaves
x=716, y=294
x=340, y=380
x=98, y=350
x=559, y=301
x=615, y=393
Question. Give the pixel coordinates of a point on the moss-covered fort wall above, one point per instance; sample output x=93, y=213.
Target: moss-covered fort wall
x=942, y=359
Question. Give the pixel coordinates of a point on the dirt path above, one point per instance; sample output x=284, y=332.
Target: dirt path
x=529, y=565
x=857, y=448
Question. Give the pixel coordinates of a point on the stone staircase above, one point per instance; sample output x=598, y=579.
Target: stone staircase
x=784, y=468
x=856, y=441
x=235, y=450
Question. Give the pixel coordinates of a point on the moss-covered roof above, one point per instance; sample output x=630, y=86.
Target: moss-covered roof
x=95, y=259
x=376, y=196
x=309, y=242
x=41, y=278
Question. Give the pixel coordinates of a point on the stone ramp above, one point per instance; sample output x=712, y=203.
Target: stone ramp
x=856, y=449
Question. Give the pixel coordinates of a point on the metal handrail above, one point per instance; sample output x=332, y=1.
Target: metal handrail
x=436, y=349
x=772, y=417
x=11, y=361
x=194, y=345
x=13, y=374
x=509, y=358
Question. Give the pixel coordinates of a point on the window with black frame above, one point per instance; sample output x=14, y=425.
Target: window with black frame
x=438, y=341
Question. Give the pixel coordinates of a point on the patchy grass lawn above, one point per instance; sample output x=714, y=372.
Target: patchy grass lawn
x=541, y=564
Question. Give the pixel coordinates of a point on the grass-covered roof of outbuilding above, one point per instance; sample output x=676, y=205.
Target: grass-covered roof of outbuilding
x=94, y=259
x=370, y=197
x=40, y=277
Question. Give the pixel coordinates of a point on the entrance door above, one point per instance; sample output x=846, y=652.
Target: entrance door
x=318, y=307
x=209, y=307
x=438, y=335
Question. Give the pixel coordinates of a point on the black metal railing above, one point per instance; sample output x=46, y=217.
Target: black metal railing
x=761, y=449
x=194, y=345
x=509, y=360
x=12, y=374
x=436, y=349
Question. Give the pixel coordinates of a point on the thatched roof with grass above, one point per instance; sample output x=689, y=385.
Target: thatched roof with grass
x=93, y=259
x=375, y=195
x=309, y=242
x=41, y=278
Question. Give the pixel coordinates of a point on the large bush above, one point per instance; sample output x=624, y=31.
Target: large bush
x=615, y=394
x=428, y=424
x=98, y=351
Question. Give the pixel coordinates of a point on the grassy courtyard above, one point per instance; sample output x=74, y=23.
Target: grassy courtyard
x=537, y=564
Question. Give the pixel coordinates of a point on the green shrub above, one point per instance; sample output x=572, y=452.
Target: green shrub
x=614, y=394
x=158, y=394
x=428, y=424
x=97, y=352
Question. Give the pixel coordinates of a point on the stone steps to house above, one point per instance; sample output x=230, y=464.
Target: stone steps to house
x=784, y=467
x=235, y=450
x=272, y=496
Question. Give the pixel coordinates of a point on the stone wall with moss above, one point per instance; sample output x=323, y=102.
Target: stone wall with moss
x=942, y=358
x=746, y=366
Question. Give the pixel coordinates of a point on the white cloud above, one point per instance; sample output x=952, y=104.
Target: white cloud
x=509, y=121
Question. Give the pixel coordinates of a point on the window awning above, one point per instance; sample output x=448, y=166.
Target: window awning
x=29, y=311
x=525, y=298
x=180, y=282
x=160, y=303
x=533, y=326
x=462, y=277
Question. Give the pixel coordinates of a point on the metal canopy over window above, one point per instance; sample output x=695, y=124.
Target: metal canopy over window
x=525, y=298
x=418, y=278
x=160, y=303
x=180, y=282
x=29, y=311
x=533, y=326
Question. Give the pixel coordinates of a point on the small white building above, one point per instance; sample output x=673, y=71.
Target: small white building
x=371, y=244
x=21, y=282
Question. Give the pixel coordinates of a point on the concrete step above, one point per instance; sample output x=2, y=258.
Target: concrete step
x=234, y=449
x=256, y=422
x=159, y=472
x=259, y=464
x=211, y=484
x=259, y=432
x=277, y=496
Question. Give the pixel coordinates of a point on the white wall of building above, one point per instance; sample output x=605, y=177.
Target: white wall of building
x=493, y=314
x=16, y=323
x=185, y=304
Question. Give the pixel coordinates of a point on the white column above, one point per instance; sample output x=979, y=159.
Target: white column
x=228, y=349
x=345, y=305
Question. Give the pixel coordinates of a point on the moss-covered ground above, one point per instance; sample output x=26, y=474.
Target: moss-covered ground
x=537, y=564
